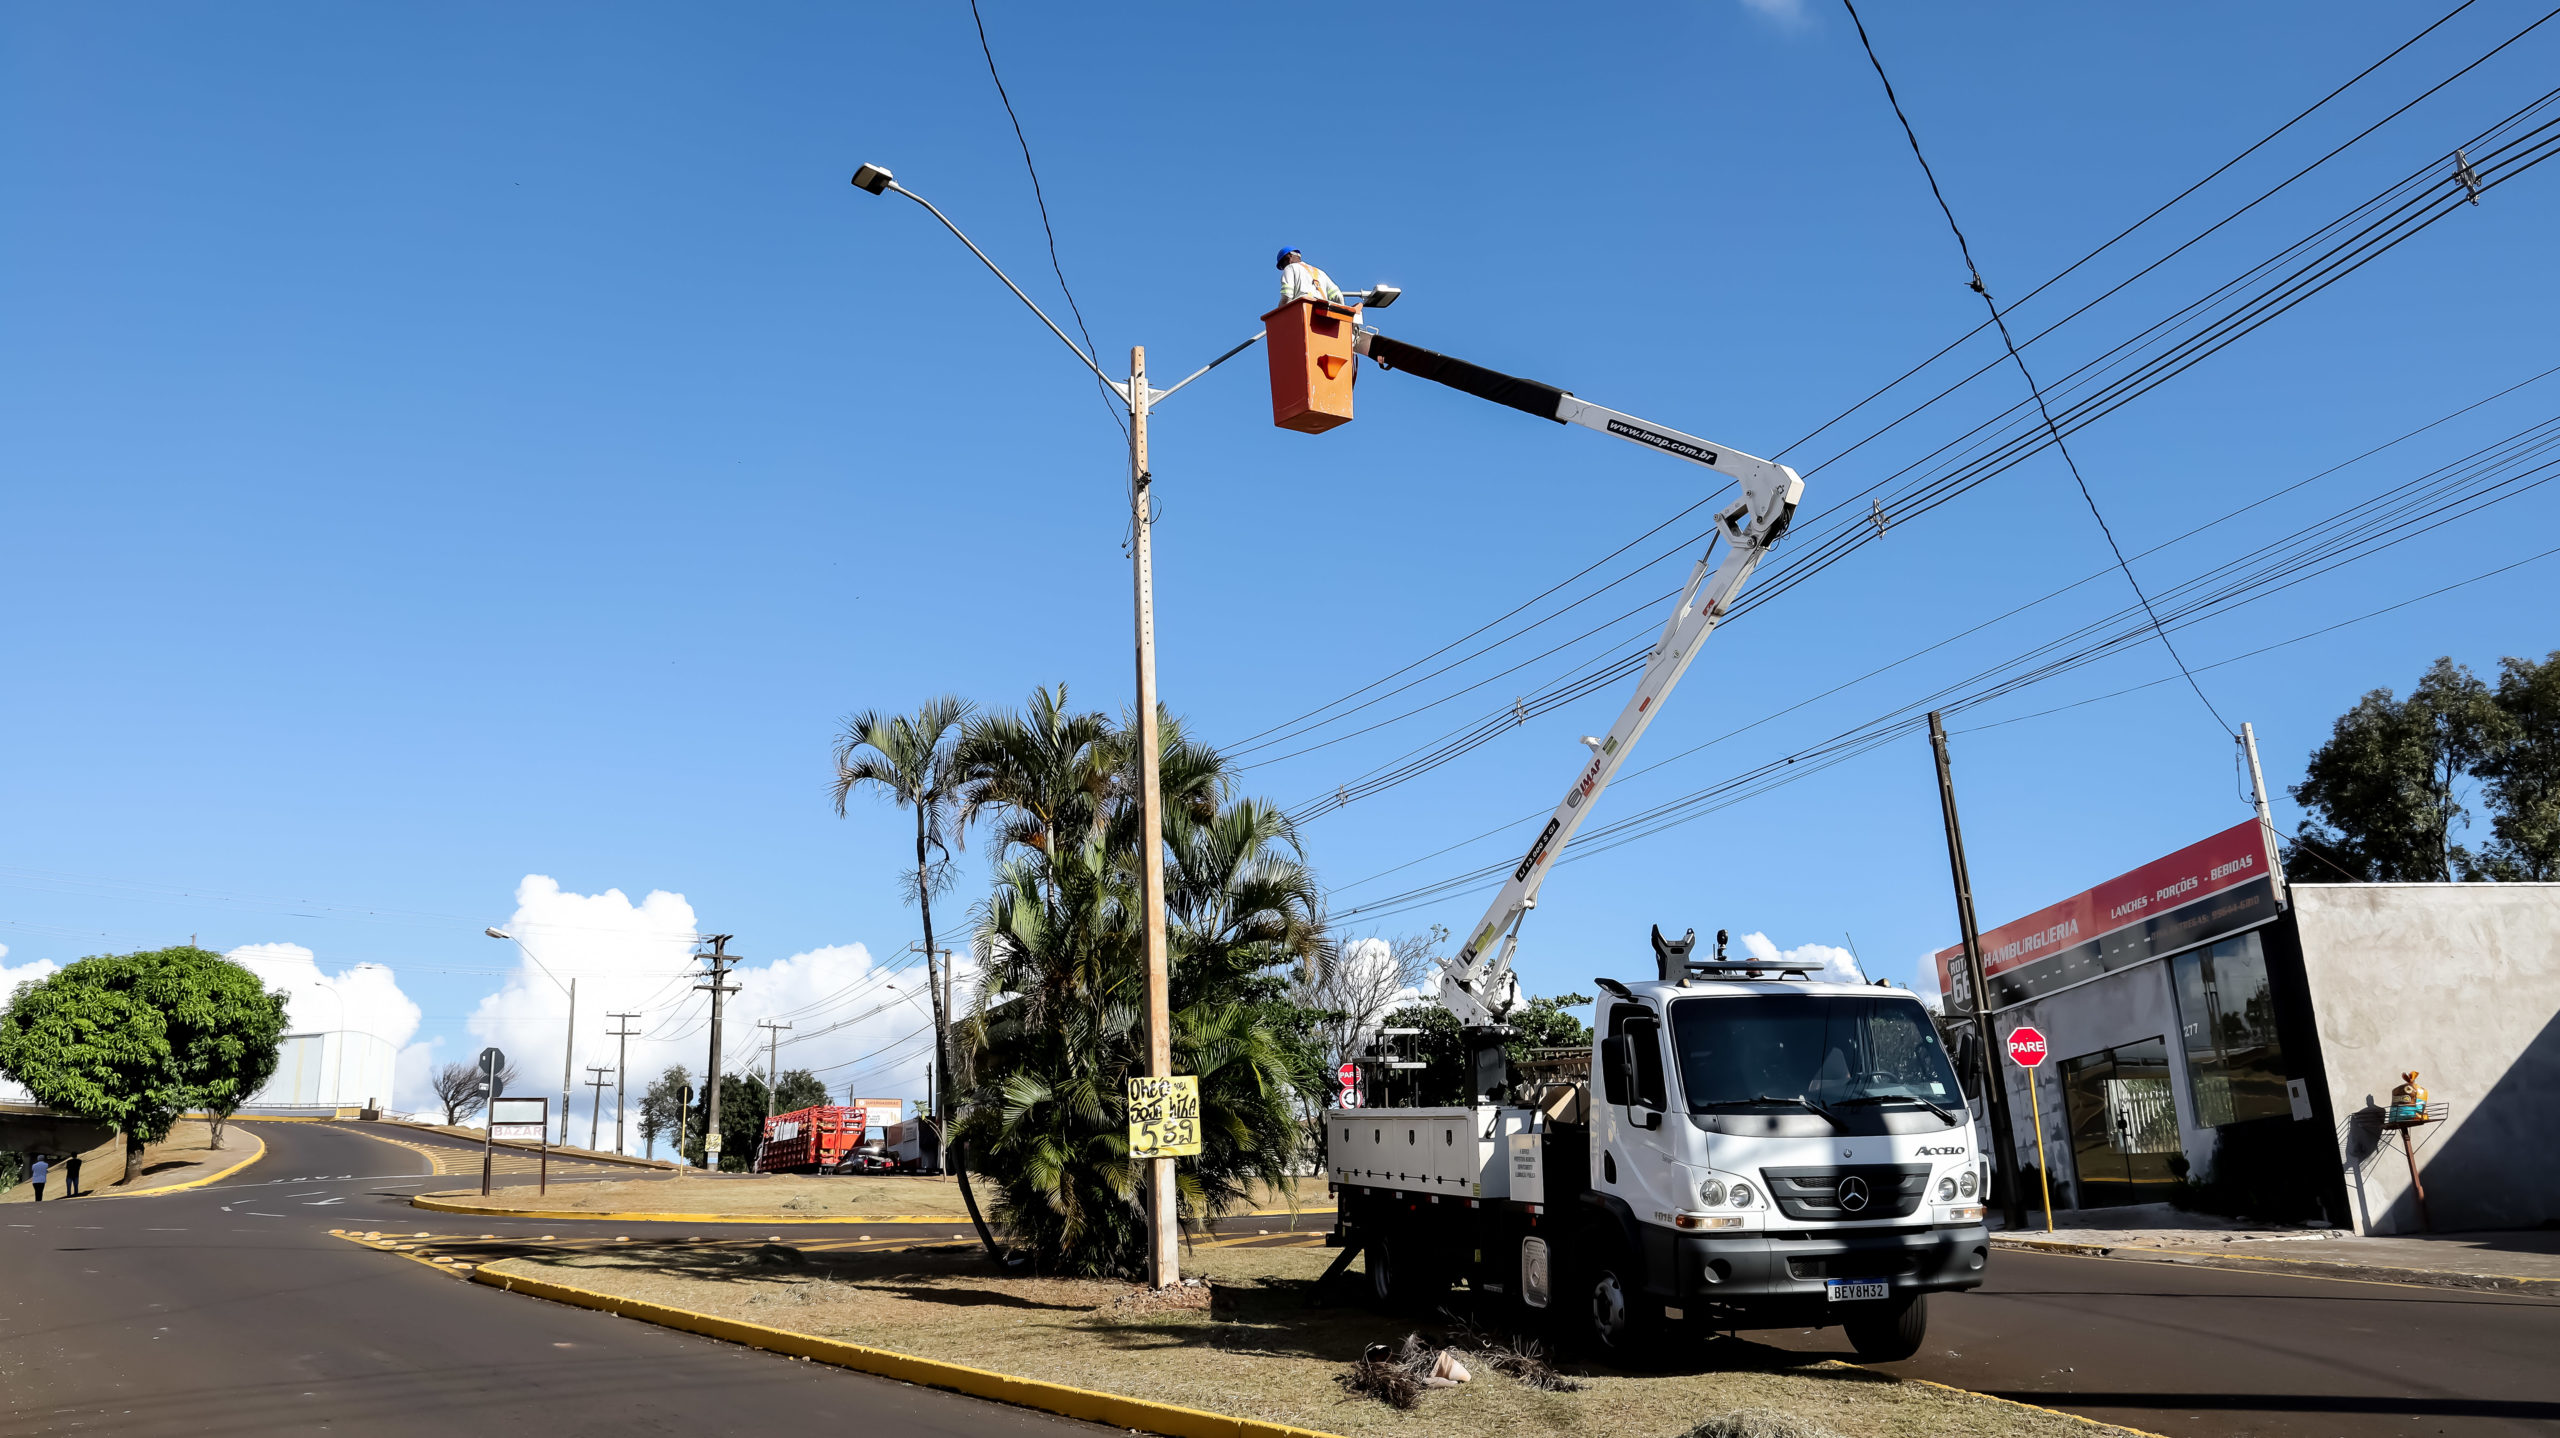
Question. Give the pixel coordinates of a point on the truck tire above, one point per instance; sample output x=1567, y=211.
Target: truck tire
x=1619, y=1321
x=1892, y=1333
x=1402, y=1277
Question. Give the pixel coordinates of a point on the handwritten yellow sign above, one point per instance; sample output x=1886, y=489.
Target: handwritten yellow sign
x=1164, y=1116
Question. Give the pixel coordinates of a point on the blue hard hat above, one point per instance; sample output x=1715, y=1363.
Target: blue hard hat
x=1286, y=251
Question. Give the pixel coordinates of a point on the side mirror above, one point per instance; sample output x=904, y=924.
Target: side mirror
x=1969, y=1064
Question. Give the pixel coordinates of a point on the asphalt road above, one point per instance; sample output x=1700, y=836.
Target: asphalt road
x=2206, y=1352
x=231, y=1309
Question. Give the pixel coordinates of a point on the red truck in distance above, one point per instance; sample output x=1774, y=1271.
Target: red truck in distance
x=821, y=1140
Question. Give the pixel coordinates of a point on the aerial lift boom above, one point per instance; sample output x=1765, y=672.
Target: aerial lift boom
x=1478, y=985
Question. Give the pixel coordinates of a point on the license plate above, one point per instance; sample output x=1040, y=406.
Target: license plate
x=1844, y=1290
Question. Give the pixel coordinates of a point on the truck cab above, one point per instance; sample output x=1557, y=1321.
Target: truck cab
x=1765, y=1151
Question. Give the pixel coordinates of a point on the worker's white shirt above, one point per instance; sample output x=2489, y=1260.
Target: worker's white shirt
x=1303, y=281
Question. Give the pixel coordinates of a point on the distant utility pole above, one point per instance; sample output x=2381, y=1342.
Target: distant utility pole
x=1995, y=1091
x=621, y=1064
x=772, y=1062
x=718, y=986
x=595, y=1114
x=938, y=1072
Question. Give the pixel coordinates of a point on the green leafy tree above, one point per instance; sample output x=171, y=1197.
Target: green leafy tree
x=798, y=1089
x=2383, y=794
x=666, y=1111
x=742, y=1111
x=134, y=1040
x=2522, y=778
x=1057, y=1027
x=1543, y=1023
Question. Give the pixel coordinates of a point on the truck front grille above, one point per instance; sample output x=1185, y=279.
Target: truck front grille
x=1825, y=1195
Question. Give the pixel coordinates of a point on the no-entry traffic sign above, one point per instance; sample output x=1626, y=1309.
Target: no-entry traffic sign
x=2026, y=1046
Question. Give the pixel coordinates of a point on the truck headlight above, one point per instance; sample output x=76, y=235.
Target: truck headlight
x=1966, y=1185
x=1946, y=1190
x=1740, y=1195
x=1711, y=1193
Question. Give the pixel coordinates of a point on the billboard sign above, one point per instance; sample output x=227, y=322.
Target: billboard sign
x=526, y=1119
x=2203, y=892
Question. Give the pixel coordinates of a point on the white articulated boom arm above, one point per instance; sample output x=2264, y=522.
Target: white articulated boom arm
x=1478, y=985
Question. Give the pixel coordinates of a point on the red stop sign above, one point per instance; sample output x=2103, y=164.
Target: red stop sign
x=1349, y=1073
x=2026, y=1046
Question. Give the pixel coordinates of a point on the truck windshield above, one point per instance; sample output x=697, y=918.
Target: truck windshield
x=1819, y=1051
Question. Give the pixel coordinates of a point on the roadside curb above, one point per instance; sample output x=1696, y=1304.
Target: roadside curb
x=1140, y=1414
x=2299, y=1267
x=2014, y=1403
x=210, y=1178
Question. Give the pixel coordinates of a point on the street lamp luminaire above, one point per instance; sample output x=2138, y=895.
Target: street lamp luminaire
x=1164, y=1258
x=570, y=1056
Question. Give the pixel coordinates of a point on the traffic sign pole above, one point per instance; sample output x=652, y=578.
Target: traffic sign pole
x=2027, y=1050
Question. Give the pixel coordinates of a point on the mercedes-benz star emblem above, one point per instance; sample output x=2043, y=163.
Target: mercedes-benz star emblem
x=1853, y=1195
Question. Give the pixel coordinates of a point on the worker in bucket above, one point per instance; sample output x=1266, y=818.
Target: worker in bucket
x=1302, y=281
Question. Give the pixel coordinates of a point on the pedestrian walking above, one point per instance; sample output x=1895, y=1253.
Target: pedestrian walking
x=71, y=1176
x=38, y=1174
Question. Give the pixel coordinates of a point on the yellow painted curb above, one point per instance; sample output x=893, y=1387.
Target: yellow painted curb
x=482, y=1210
x=195, y=1182
x=1169, y=1419
x=2014, y=1403
x=433, y=1204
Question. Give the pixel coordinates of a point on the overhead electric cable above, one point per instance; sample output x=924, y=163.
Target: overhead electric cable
x=2025, y=373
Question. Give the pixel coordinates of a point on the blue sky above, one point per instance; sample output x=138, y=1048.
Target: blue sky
x=451, y=446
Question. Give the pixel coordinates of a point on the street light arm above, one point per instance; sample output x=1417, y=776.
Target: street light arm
x=1160, y=396
x=1117, y=387
x=523, y=949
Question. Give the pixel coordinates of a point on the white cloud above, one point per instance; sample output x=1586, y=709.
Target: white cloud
x=1837, y=965
x=859, y=1023
x=1924, y=980
x=10, y=978
x=1784, y=12
x=365, y=998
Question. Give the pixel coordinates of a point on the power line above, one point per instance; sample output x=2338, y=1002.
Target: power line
x=2028, y=375
x=1042, y=201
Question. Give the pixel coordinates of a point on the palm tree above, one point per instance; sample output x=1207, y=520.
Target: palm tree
x=912, y=761
x=1056, y=1030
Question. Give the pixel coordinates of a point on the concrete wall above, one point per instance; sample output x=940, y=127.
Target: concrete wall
x=32, y=1129
x=2462, y=983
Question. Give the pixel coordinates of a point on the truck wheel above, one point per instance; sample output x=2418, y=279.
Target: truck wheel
x=1402, y=1278
x=1621, y=1322
x=1893, y=1333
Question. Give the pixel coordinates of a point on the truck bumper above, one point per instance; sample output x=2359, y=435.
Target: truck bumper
x=1783, y=1277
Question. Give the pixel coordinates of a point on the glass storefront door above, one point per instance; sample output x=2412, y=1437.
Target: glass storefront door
x=2123, y=1123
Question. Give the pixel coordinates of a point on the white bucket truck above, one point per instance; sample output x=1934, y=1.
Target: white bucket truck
x=1743, y=1146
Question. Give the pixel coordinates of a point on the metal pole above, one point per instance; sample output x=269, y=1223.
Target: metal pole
x=567, y=1059
x=1995, y=1091
x=1164, y=1256
x=621, y=1090
x=2266, y=820
x=2044, y=1170
x=488, y=1123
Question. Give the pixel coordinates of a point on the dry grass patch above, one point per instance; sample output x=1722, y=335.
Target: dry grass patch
x=1260, y=1349
x=781, y=1197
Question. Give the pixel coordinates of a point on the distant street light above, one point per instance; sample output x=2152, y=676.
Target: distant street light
x=568, y=1058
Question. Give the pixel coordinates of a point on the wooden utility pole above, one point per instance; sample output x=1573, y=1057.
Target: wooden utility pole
x=2004, y=1142
x=621, y=1065
x=939, y=1067
x=1164, y=1254
x=595, y=1114
x=719, y=959
x=772, y=1061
